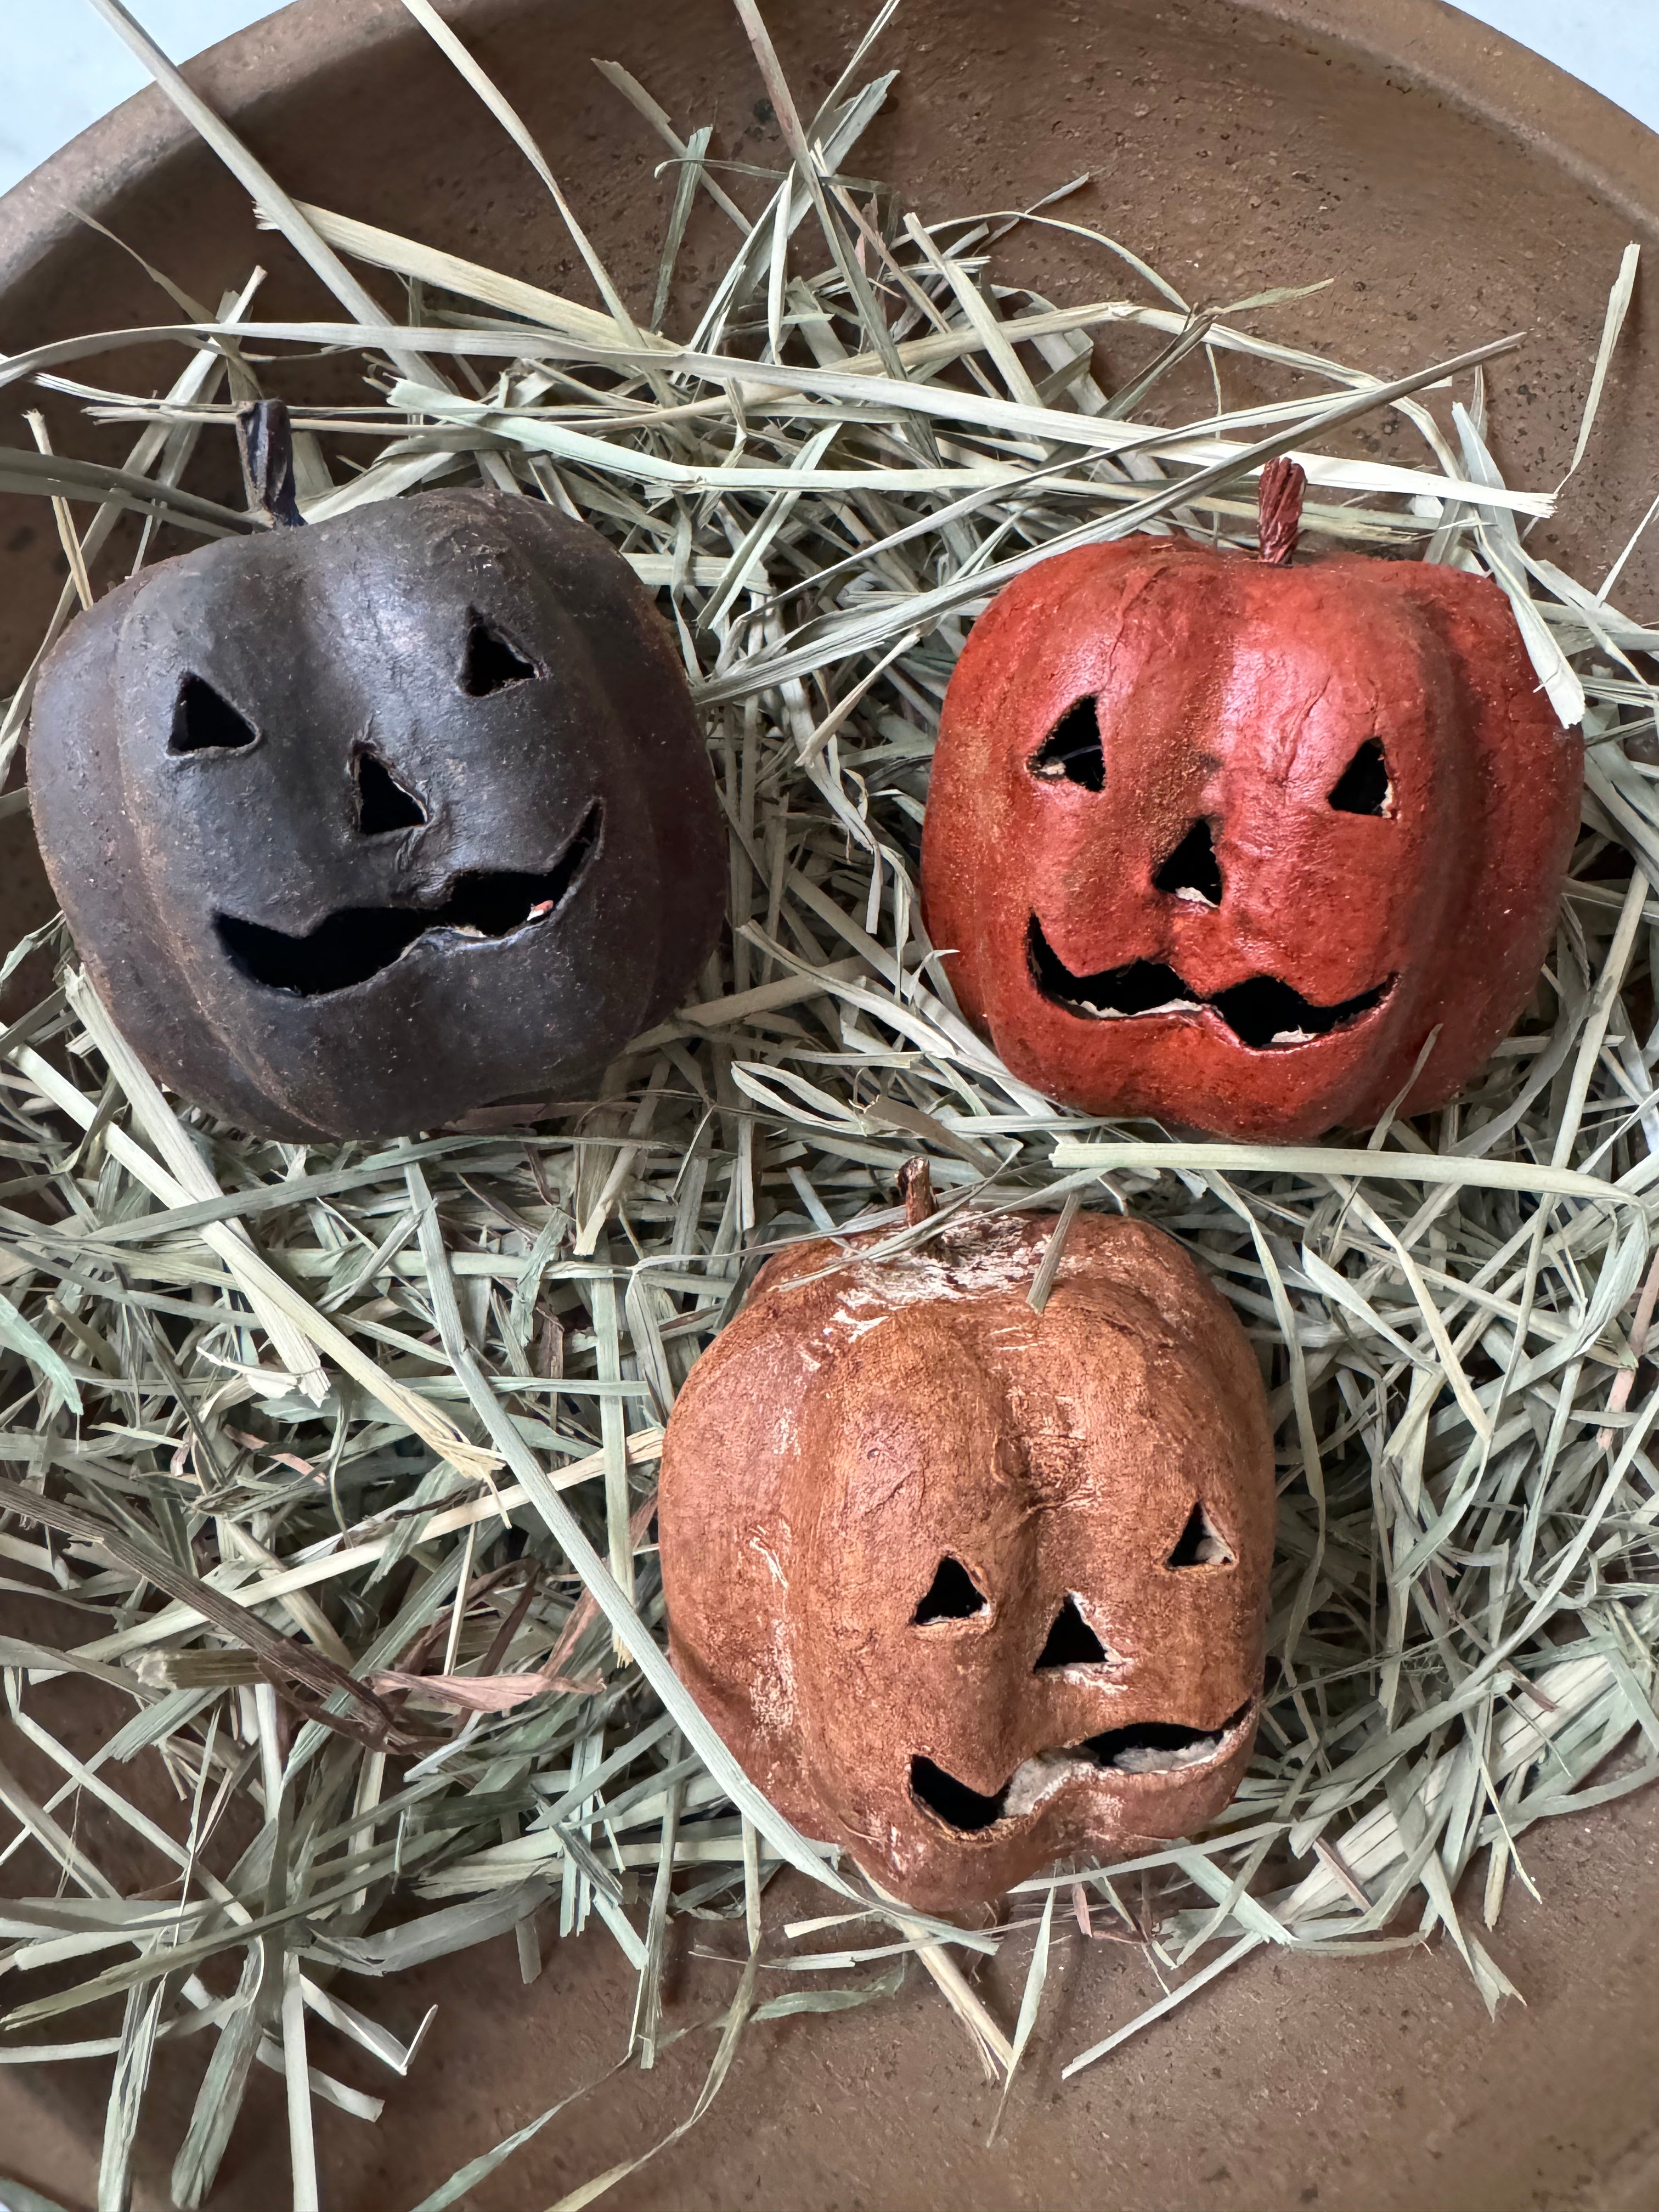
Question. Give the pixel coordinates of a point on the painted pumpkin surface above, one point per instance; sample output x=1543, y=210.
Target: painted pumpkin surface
x=1227, y=843
x=968, y=1588
x=364, y=825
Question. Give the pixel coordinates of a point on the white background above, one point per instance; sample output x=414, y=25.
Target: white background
x=61, y=66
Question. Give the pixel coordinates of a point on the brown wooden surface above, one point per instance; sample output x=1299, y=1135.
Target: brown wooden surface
x=1350, y=2086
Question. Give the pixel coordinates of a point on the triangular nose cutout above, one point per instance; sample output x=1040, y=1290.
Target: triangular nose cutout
x=1192, y=870
x=1200, y=1545
x=1072, y=1641
x=382, y=802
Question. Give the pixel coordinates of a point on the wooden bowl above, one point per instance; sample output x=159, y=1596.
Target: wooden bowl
x=1455, y=187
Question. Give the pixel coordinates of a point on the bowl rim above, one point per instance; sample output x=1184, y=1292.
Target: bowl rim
x=1439, y=49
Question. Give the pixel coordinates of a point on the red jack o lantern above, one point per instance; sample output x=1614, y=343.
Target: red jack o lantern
x=1225, y=841
x=968, y=1588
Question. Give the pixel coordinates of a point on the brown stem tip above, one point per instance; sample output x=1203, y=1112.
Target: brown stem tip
x=1279, y=511
x=265, y=441
x=916, y=1183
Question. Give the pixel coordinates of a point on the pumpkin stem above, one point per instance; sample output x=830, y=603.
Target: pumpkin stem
x=916, y=1183
x=1279, y=511
x=265, y=441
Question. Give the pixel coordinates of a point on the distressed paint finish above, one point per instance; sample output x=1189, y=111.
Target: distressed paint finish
x=348, y=641
x=863, y=1420
x=1234, y=694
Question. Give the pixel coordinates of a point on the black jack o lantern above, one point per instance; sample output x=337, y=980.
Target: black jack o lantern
x=363, y=826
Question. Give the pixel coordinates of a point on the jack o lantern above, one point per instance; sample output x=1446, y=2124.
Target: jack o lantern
x=968, y=1588
x=364, y=825
x=1226, y=841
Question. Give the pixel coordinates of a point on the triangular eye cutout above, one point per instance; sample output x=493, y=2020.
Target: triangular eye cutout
x=1199, y=1545
x=1072, y=751
x=1072, y=1641
x=1363, y=786
x=489, y=662
x=1192, y=870
x=382, y=802
x=953, y=1594
x=205, y=721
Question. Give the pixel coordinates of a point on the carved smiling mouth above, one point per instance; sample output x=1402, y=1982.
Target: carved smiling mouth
x=349, y=946
x=1142, y=1747
x=1261, y=1011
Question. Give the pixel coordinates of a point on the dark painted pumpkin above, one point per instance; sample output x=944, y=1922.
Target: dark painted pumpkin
x=968, y=1588
x=1224, y=841
x=361, y=826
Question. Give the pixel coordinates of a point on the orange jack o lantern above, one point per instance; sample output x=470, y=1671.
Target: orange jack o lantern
x=1226, y=841
x=968, y=1588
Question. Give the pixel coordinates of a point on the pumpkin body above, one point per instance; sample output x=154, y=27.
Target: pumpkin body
x=1225, y=844
x=966, y=1588
x=361, y=826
